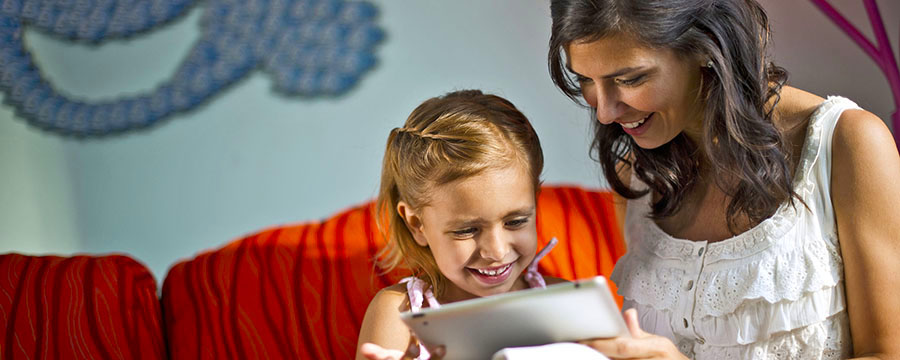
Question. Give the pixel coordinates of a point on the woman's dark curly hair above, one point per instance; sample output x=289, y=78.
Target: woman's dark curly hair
x=739, y=136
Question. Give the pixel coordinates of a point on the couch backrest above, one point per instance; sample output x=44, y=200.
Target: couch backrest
x=300, y=291
x=79, y=307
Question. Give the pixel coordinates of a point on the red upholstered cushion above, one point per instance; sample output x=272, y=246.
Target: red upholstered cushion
x=78, y=307
x=300, y=291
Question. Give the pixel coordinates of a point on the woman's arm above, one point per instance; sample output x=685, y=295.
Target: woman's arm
x=865, y=180
x=382, y=325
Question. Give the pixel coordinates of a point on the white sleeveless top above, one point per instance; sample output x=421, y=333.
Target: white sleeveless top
x=775, y=291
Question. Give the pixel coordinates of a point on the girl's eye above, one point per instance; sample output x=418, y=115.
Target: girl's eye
x=464, y=232
x=629, y=82
x=517, y=222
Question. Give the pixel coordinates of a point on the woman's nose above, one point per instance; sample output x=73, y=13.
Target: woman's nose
x=609, y=107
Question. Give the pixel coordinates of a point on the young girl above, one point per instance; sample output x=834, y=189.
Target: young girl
x=458, y=192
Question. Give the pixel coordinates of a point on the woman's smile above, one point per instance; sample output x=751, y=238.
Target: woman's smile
x=637, y=128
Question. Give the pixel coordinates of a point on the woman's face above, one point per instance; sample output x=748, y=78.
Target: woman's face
x=651, y=93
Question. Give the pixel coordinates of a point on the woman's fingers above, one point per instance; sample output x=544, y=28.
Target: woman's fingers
x=640, y=345
x=631, y=322
x=375, y=352
x=621, y=348
x=653, y=347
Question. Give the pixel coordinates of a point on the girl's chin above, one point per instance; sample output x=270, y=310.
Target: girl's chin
x=511, y=284
x=475, y=289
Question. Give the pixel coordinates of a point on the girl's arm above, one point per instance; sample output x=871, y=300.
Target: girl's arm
x=865, y=179
x=382, y=325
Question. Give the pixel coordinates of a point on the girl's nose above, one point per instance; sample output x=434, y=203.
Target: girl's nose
x=494, y=246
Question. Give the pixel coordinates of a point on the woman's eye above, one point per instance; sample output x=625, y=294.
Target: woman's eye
x=582, y=79
x=630, y=82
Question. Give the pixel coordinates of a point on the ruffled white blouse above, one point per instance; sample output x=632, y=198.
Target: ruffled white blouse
x=775, y=291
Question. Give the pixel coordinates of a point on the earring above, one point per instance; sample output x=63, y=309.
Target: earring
x=709, y=64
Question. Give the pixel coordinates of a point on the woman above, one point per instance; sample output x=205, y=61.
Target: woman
x=762, y=221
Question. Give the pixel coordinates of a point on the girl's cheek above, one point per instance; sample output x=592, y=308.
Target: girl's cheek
x=527, y=243
x=465, y=251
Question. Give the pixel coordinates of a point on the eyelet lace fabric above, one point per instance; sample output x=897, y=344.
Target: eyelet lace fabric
x=773, y=292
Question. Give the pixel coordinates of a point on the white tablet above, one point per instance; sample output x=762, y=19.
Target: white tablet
x=477, y=328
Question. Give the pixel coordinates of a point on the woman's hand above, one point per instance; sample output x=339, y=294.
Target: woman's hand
x=640, y=345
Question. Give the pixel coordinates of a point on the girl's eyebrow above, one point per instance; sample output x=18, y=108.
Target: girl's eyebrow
x=529, y=210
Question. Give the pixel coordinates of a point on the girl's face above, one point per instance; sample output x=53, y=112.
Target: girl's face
x=652, y=94
x=481, y=231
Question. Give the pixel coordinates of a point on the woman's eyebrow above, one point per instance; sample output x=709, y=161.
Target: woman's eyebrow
x=616, y=73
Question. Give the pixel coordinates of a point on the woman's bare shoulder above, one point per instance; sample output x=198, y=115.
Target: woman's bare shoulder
x=863, y=136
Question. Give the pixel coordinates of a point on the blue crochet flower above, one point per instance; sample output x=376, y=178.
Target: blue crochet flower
x=309, y=47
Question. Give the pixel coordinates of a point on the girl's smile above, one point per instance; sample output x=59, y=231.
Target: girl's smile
x=493, y=275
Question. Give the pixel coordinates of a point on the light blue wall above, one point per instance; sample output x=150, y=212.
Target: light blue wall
x=37, y=210
x=250, y=159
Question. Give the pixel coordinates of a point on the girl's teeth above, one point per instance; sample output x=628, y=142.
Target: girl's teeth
x=493, y=272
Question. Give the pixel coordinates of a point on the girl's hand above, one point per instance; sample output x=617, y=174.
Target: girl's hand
x=640, y=345
x=375, y=352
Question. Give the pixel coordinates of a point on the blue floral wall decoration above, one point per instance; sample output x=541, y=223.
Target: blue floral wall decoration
x=309, y=47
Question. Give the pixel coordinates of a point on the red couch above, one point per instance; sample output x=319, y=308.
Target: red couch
x=296, y=291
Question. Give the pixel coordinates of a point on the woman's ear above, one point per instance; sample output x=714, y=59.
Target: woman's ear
x=413, y=222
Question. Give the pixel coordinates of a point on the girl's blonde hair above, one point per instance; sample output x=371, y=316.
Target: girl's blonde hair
x=446, y=138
